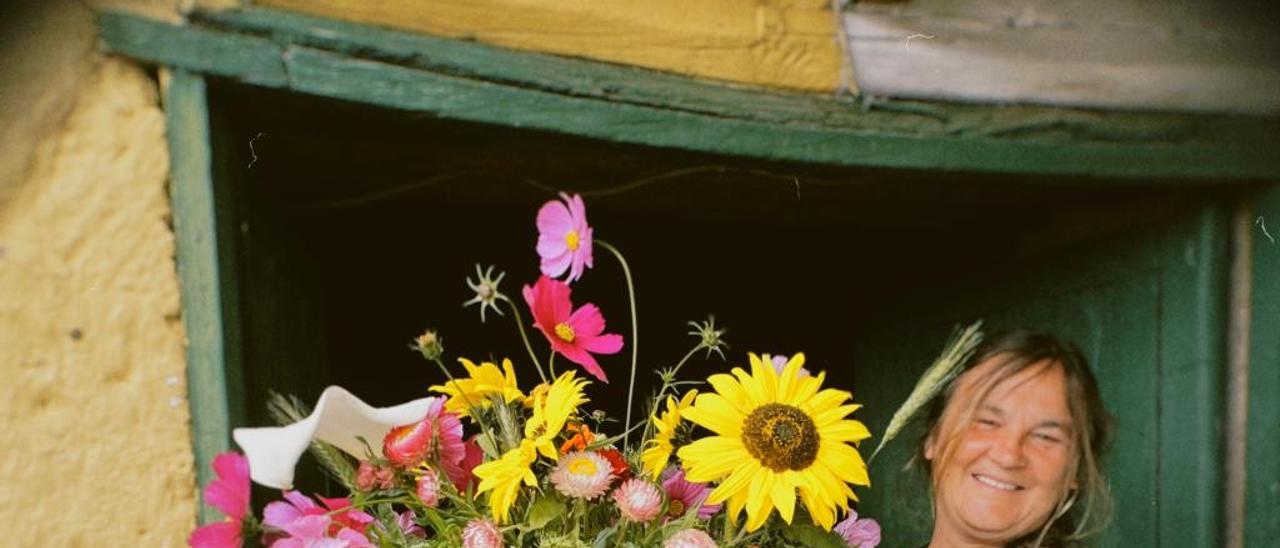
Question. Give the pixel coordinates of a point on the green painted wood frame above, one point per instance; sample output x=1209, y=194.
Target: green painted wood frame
x=209, y=307
x=1262, y=506
x=479, y=83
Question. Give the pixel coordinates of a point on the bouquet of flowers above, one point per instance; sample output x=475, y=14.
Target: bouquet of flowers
x=487, y=463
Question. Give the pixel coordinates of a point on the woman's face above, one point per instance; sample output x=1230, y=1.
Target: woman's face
x=1012, y=462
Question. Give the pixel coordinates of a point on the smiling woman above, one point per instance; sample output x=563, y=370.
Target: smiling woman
x=1012, y=447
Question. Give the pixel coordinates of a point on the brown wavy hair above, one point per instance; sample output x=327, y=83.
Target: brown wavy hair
x=1086, y=509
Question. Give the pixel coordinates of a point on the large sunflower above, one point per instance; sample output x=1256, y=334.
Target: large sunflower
x=777, y=434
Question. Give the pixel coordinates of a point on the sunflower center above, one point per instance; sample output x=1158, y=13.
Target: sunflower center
x=572, y=240
x=582, y=467
x=675, y=508
x=565, y=332
x=781, y=437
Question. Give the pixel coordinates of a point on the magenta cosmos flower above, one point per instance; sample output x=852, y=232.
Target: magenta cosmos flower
x=303, y=522
x=439, y=433
x=575, y=334
x=564, y=237
x=686, y=496
x=230, y=494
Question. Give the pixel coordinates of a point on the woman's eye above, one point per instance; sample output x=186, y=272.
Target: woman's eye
x=987, y=423
x=1048, y=438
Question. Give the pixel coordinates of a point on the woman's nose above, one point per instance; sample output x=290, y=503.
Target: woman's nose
x=1007, y=450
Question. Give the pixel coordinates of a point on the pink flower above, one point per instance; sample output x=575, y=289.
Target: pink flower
x=304, y=521
x=230, y=494
x=428, y=489
x=370, y=476
x=576, y=334
x=473, y=457
x=564, y=238
x=481, y=533
x=439, y=433
x=780, y=362
x=582, y=474
x=862, y=533
x=684, y=495
x=404, y=521
x=690, y=538
x=638, y=500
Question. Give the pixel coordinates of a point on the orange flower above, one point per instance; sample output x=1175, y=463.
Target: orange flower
x=582, y=437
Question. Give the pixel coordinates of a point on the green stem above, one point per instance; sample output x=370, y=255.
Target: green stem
x=551, y=365
x=667, y=382
x=524, y=336
x=635, y=333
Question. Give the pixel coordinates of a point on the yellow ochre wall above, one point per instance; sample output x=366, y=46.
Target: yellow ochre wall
x=96, y=443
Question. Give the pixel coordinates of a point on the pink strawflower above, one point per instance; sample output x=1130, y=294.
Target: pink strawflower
x=638, y=500
x=685, y=496
x=297, y=514
x=690, y=538
x=564, y=237
x=370, y=476
x=582, y=474
x=576, y=334
x=428, y=488
x=862, y=533
x=481, y=533
x=439, y=435
x=230, y=494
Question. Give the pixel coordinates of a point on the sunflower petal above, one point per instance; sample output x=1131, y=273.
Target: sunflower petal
x=715, y=413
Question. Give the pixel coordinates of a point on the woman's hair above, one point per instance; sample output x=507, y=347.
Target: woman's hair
x=1084, y=511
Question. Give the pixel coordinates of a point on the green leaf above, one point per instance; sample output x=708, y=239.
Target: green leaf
x=812, y=536
x=543, y=511
x=602, y=539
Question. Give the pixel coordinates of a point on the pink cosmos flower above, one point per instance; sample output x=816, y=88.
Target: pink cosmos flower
x=481, y=533
x=230, y=494
x=780, y=362
x=690, y=538
x=575, y=334
x=305, y=521
x=473, y=457
x=438, y=434
x=564, y=238
x=684, y=495
x=638, y=500
x=860, y=533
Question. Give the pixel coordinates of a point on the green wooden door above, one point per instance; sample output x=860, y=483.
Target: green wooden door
x=1262, y=513
x=1147, y=308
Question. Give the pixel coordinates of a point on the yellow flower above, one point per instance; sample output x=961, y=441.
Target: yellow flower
x=776, y=434
x=658, y=449
x=503, y=477
x=483, y=381
x=551, y=410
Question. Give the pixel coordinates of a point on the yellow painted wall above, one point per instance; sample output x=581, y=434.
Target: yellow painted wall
x=96, y=445
x=776, y=43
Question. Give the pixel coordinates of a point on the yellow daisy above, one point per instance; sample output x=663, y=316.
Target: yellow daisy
x=658, y=449
x=552, y=409
x=776, y=434
x=503, y=477
x=482, y=381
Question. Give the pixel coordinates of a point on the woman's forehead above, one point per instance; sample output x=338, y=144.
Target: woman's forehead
x=1039, y=388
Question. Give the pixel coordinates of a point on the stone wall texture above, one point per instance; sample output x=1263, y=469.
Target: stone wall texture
x=97, y=448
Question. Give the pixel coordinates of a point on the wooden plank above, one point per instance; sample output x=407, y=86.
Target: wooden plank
x=210, y=360
x=1262, y=509
x=1174, y=55
x=1192, y=367
x=778, y=43
x=949, y=138
x=249, y=59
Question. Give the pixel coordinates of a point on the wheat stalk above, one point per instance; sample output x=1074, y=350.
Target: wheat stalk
x=945, y=368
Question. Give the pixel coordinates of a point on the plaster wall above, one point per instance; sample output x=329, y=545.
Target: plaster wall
x=97, y=448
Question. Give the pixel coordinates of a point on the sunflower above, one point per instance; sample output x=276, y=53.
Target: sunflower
x=503, y=477
x=776, y=434
x=483, y=381
x=658, y=449
x=552, y=409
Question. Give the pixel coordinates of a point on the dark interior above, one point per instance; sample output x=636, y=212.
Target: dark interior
x=357, y=226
